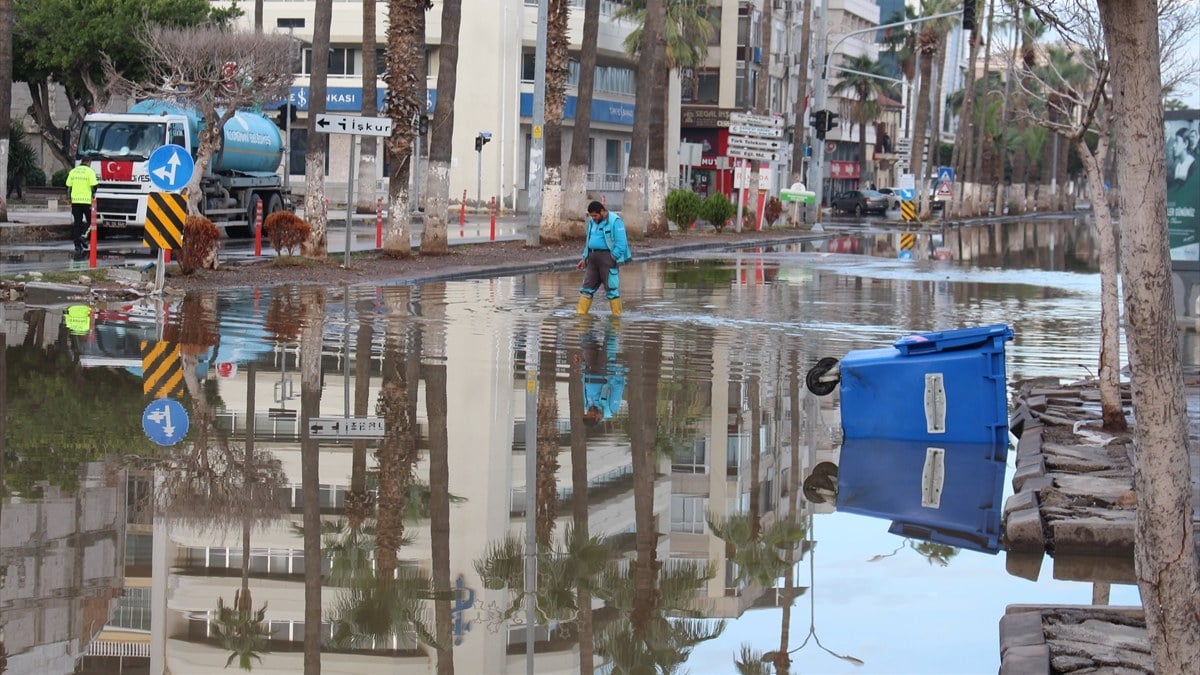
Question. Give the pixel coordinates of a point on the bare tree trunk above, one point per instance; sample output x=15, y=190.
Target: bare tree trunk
x=1167, y=566
x=365, y=188
x=575, y=188
x=317, y=244
x=1112, y=410
x=920, y=121
x=441, y=137
x=656, y=174
x=966, y=127
x=800, y=129
x=634, y=209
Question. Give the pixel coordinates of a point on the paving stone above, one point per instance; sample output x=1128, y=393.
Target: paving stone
x=1105, y=489
x=1024, y=531
x=1093, y=535
x=1020, y=500
x=1018, y=629
x=1024, y=473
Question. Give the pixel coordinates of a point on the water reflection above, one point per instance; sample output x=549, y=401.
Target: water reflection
x=671, y=449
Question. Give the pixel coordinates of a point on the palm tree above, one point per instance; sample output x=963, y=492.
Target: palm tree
x=405, y=102
x=378, y=608
x=312, y=315
x=686, y=31
x=639, y=175
x=575, y=183
x=866, y=85
x=441, y=137
x=317, y=144
x=965, y=134
x=930, y=43
x=243, y=634
x=758, y=558
x=556, y=98
x=800, y=127
x=365, y=197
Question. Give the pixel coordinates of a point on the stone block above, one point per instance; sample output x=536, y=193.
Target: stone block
x=1094, y=535
x=1028, y=660
x=1025, y=473
x=1024, y=532
x=1020, y=629
x=1021, y=500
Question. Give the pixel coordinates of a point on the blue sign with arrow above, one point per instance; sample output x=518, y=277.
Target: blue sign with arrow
x=165, y=421
x=170, y=168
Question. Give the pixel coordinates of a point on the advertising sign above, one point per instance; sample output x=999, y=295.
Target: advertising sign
x=1183, y=184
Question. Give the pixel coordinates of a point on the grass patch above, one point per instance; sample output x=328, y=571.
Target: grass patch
x=60, y=276
x=294, y=261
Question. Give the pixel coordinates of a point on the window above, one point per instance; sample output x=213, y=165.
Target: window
x=341, y=61
x=688, y=514
x=612, y=157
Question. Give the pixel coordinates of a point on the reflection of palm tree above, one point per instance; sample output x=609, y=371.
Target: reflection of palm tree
x=934, y=554
x=579, y=504
x=376, y=608
x=760, y=558
x=547, y=439
x=243, y=633
x=397, y=452
x=750, y=662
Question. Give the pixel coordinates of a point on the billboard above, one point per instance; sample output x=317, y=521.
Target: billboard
x=1183, y=184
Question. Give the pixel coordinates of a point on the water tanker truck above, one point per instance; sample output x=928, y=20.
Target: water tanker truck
x=242, y=171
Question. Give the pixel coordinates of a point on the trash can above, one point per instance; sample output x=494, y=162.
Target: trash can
x=945, y=493
x=944, y=386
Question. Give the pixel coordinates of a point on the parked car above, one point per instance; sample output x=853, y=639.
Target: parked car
x=893, y=195
x=859, y=202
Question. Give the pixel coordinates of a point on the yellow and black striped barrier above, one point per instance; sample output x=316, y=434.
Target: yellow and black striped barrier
x=908, y=241
x=162, y=370
x=166, y=213
x=908, y=211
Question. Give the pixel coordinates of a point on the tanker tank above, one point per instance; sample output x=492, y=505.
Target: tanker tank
x=252, y=144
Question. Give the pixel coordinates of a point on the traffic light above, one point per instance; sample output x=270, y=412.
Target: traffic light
x=968, y=19
x=831, y=120
x=422, y=125
x=818, y=120
x=482, y=139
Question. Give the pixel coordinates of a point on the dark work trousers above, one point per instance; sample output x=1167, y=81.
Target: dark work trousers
x=601, y=268
x=81, y=218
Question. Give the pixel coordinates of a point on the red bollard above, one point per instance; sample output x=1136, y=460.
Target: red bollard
x=462, y=212
x=92, y=237
x=258, y=222
x=493, y=219
x=379, y=222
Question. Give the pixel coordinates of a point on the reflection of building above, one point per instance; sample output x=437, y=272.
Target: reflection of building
x=60, y=561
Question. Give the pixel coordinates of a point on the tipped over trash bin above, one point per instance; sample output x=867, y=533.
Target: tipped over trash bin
x=946, y=386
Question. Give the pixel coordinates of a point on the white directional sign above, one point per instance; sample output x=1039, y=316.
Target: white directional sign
x=346, y=427
x=753, y=153
x=755, y=130
x=354, y=124
x=755, y=142
x=759, y=120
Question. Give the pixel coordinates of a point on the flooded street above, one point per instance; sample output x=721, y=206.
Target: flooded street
x=675, y=496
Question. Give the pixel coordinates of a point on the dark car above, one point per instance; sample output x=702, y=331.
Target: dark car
x=859, y=202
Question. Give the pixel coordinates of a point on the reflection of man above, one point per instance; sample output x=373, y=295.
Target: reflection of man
x=603, y=377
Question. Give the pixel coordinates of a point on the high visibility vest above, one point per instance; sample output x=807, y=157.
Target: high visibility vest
x=80, y=182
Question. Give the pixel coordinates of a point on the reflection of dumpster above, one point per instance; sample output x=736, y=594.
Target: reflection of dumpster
x=941, y=387
x=946, y=493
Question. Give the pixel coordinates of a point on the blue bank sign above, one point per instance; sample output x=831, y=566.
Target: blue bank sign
x=349, y=99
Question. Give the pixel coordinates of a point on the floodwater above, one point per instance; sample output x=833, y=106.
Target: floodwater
x=384, y=430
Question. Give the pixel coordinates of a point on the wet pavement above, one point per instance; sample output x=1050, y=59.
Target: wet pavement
x=383, y=430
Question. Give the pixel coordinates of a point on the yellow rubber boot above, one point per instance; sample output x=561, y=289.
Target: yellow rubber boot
x=615, y=305
x=585, y=304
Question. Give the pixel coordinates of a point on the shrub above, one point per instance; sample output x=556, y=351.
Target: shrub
x=683, y=207
x=200, y=239
x=717, y=209
x=59, y=179
x=773, y=210
x=286, y=230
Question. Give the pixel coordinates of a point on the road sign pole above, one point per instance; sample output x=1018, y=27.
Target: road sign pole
x=350, y=204
x=741, y=181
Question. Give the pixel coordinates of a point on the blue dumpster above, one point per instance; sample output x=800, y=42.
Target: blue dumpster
x=945, y=386
x=947, y=493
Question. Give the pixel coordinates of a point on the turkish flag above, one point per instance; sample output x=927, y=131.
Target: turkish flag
x=111, y=170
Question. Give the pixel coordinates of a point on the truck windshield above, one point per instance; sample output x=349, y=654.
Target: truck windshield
x=131, y=141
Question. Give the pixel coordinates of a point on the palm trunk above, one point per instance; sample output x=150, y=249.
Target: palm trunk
x=405, y=102
x=358, y=500
x=634, y=209
x=547, y=441
x=441, y=135
x=656, y=200
x=365, y=187
x=579, y=510
x=642, y=426
x=556, y=82
x=920, y=121
x=966, y=128
x=313, y=313
x=575, y=189
x=393, y=408
x=317, y=244
x=436, y=409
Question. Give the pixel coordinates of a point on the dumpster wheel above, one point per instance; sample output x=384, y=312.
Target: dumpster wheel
x=819, y=381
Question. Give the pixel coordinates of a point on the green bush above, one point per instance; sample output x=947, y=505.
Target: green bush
x=59, y=179
x=683, y=207
x=717, y=209
x=36, y=177
x=22, y=160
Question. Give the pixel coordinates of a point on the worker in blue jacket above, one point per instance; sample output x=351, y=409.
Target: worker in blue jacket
x=603, y=376
x=604, y=250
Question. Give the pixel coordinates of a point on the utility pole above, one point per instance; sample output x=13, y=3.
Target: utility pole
x=537, y=142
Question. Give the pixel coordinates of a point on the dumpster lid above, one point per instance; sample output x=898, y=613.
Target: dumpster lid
x=962, y=338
